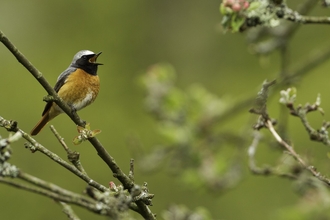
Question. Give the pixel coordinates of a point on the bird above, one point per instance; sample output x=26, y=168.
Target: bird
x=78, y=86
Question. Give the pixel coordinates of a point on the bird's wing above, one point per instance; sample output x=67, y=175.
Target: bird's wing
x=60, y=82
x=61, y=79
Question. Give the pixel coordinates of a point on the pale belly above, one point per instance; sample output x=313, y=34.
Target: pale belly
x=89, y=98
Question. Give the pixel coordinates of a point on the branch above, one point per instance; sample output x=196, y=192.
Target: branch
x=288, y=98
x=296, y=17
x=315, y=20
x=264, y=121
x=73, y=156
x=51, y=187
x=295, y=155
x=68, y=211
x=268, y=123
x=90, y=206
x=102, y=152
x=34, y=146
x=299, y=15
x=294, y=171
x=280, y=36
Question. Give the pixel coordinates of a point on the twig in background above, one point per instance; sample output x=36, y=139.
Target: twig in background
x=69, y=211
x=73, y=156
x=293, y=153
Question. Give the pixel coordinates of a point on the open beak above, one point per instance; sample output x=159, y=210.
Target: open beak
x=94, y=58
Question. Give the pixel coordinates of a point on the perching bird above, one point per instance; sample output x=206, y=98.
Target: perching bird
x=78, y=86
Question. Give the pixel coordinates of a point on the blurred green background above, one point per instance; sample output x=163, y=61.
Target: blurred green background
x=132, y=36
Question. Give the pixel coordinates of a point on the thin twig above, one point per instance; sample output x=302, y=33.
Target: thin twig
x=51, y=187
x=131, y=170
x=282, y=35
x=251, y=153
x=292, y=152
x=266, y=169
x=69, y=211
x=296, y=16
x=313, y=20
x=73, y=156
x=60, y=139
x=94, y=207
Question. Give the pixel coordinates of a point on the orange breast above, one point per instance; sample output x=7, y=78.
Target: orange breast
x=80, y=89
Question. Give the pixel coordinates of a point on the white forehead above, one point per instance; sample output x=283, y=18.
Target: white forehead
x=82, y=53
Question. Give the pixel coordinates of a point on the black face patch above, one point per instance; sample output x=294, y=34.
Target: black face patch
x=85, y=60
x=84, y=63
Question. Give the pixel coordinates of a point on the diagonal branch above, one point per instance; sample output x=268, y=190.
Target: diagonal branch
x=33, y=145
x=90, y=206
x=68, y=211
x=52, y=187
x=294, y=154
x=73, y=156
x=102, y=152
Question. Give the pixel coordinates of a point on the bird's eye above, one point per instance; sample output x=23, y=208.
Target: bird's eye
x=84, y=57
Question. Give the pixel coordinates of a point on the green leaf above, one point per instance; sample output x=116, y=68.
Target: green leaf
x=222, y=9
x=88, y=126
x=77, y=140
x=253, y=6
x=95, y=132
x=236, y=22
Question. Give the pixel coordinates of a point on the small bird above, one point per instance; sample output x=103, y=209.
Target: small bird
x=78, y=86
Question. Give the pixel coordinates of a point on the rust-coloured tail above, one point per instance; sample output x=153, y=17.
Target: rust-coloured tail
x=45, y=118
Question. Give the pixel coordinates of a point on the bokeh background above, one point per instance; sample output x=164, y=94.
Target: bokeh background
x=132, y=36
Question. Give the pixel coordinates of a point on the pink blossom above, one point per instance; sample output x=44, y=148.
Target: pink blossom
x=236, y=7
